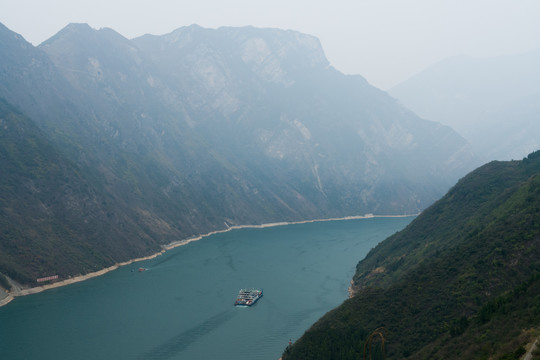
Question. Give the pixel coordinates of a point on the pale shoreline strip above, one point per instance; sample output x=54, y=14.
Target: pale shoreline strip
x=6, y=300
x=79, y=278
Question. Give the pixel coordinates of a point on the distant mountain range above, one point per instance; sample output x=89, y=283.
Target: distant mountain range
x=462, y=281
x=112, y=147
x=492, y=102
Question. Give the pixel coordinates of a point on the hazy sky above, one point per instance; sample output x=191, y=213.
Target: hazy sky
x=386, y=41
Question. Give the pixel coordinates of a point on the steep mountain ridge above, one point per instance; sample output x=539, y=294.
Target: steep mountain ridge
x=201, y=129
x=459, y=282
x=208, y=74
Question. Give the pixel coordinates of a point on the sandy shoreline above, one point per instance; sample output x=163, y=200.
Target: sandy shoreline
x=6, y=300
x=76, y=279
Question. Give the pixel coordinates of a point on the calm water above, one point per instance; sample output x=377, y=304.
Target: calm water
x=182, y=306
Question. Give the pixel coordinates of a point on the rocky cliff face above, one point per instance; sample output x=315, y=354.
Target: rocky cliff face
x=199, y=129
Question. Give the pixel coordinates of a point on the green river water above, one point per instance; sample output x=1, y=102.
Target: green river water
x=182, y=306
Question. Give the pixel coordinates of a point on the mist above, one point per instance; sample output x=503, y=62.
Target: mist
x=385, y=41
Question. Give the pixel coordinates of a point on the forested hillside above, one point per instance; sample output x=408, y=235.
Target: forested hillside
x=52, y=217
x=462, y=281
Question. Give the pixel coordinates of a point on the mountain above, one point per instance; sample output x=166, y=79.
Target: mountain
x=201, y=129
x=492, y=102
x=460, y=282
x=272, y=92
x=54, y=218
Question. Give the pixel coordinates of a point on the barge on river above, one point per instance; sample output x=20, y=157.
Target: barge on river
x=248, y=297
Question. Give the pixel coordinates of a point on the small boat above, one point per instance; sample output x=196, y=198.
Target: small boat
x=142, y=269
x=248, y=297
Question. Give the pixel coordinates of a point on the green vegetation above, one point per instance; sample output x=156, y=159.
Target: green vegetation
x=462, y=281
x=53, y=220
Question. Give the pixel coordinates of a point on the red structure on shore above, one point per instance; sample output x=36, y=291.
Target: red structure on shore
x=48, y=278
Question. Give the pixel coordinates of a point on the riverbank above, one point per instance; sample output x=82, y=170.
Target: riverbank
x=5, y=298
x=19, y=291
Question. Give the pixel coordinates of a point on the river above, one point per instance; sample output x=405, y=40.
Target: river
x=181, y=307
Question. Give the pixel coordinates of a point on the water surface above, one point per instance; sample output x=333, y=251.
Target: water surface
x=182, y=306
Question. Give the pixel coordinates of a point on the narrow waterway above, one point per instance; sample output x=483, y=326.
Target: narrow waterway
x=182, y=306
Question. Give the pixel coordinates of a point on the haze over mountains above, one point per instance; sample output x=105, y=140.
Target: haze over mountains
x=492, y=102
x=116, y=147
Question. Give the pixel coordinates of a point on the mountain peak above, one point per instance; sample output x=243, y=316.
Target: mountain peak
x=9, y=39
x=283, y=43
x=273, y=55
x=76, y=28
x=286, y=44
x=84, y=34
